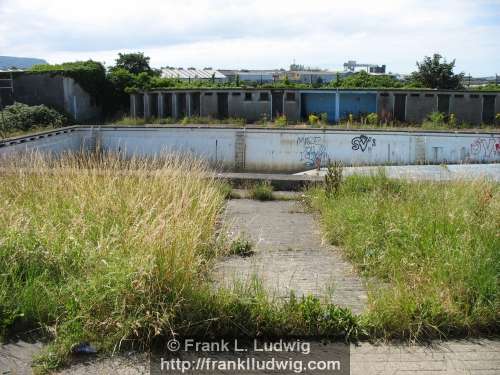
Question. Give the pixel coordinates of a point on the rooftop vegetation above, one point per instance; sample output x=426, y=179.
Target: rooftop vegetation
x=90, y=75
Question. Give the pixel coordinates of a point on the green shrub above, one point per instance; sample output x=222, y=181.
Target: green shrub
x=452, y=120
x=262, y=191
x=241, y=246
x=436, y=118
x=313, y=119
x=323, y=118
x=281, y=121
x=23, y=117
x=372, y=119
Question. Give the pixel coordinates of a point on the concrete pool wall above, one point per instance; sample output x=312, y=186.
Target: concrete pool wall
x=270, y=150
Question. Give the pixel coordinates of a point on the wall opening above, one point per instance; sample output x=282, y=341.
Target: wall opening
x=181, y=105
x=488, y=109
x=277, y=100
x=444, y=103
x=153, y=105
x=195, y=104
x=222, y=105
x=400, y=107
x=167, y=105
x=139, y=105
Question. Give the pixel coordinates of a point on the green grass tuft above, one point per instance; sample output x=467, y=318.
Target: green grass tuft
x=242, y=247
x=262, y=191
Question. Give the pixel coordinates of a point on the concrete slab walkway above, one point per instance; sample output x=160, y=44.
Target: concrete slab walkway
x=454, y=357
x=289, y=254
x=445, y=172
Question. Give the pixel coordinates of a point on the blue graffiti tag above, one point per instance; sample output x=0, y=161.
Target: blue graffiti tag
x=313, y=152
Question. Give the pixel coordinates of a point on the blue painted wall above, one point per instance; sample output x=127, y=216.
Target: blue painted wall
x=317, y=103
x=357, y=104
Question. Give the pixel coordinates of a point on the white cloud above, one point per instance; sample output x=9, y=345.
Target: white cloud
x=224, y=33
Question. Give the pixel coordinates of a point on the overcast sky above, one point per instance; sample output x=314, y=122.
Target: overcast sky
x=256, y=33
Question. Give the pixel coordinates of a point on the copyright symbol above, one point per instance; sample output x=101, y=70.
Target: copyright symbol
x=173, y=345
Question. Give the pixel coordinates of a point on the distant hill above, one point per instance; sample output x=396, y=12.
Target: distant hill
x=7, y=62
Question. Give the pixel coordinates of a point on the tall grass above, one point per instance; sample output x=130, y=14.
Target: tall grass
x=433, y=249
x=99, y=254
x=118, y=253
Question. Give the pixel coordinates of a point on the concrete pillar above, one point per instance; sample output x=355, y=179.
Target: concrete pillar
x=283, y=105
x=133, y=105
x=201, y=104
x=270, y=103
x=147, y=106
x=174, y=106
x=189, y=99
x=240, y=150
x=161, y=109
x=299, y=99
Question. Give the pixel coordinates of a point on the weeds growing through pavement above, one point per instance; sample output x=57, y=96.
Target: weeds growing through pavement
x=433, y=247
x=241, y=246
x=262, y=191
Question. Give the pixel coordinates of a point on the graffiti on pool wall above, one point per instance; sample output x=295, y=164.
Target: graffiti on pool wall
x=484, y=148
x=362, y=142
x=313, y=151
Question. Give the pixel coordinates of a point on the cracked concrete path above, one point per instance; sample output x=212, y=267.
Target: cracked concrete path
x=289, y=254
x=454, y=357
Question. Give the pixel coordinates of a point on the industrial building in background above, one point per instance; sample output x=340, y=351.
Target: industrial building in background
x=353, y=66
x=296, y=73
x=193, y=74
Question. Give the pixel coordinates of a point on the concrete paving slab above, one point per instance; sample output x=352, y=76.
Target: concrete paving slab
x=289, y=255
x=445, y=172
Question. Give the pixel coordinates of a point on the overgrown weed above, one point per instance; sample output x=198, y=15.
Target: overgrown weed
x=434, y=247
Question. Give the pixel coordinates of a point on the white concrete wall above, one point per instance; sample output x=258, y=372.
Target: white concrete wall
x=216, y=145
x=278, y=150
x=54, y=142
x=295, y=150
